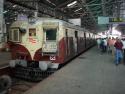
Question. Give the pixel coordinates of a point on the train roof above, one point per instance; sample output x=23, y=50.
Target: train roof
x=62, y=22
x=39, y=20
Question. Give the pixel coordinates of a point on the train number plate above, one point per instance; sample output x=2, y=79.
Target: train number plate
x=52, y=57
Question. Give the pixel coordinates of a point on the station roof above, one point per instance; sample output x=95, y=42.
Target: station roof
x=89, y=10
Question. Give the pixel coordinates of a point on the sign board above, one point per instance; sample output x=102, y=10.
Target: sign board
x=76, y=21
x=106, y=20
x=52, y=57
x=103, y=20
x=22, y=17
x=115, y=19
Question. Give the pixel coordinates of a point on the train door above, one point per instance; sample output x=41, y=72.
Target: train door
x=89, y=40
x=85, y=39
x=67, y=44
x=50, y=41
x=76, y=41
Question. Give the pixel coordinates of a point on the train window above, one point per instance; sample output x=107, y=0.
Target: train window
x=14, y=35
x=66, y=32
x=89, y=36
x=32, y=32
x=50, y=34
x=76, y=34
x=11, y=35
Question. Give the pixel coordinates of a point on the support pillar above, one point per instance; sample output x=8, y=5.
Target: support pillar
x=1, y=23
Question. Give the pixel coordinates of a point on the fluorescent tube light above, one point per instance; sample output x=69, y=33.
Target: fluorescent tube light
x=77, y=9
x=5, y=11
x=14, y=6
x=71, y=3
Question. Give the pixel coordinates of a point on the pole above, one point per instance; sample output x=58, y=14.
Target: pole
x=1, y=23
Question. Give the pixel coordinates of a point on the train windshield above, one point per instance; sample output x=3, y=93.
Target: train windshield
x=50, y=33
x=32, y=32
x=14, y=35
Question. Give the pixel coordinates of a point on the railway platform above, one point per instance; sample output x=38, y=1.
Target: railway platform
x=90, y=73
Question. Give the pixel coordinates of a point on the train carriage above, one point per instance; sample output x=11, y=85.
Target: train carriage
x=45, y=43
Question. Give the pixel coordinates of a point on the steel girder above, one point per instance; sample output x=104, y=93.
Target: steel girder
x=42, y=8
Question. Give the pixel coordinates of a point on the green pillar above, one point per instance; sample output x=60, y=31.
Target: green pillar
x=1, y=23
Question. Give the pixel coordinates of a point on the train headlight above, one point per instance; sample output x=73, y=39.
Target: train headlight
x=43, y=65
x=12, y=63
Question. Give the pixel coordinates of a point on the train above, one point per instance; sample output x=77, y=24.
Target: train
x=42, y=44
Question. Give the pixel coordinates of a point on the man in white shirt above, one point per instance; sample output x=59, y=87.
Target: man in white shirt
x=98, y=42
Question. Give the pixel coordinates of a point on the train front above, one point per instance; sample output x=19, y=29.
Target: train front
x=26, y=41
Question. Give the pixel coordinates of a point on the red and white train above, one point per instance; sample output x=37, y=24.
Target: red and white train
x=46, y=43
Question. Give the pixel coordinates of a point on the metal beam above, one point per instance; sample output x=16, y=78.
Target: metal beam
x=42, y=8
x=99, y=4
x=63, y=4
x=103, y=7
x=88, y=20
x=27, y=0
x=91, y=2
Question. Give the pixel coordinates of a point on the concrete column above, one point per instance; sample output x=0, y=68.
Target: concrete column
x=1, y=23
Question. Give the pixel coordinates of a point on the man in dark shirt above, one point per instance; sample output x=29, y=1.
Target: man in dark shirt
x=118, y=55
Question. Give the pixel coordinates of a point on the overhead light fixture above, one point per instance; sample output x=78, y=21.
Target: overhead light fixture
x=5, y=11
x=71, y=4
x=50, y=2
x=14, y=6
x=15, y=13
x=15, y=19
x=77, y=9
x=7, y=23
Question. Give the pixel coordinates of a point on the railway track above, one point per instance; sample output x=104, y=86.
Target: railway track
x=5, y=70
x=17, y=85
x=20, y=86
x=12, y=85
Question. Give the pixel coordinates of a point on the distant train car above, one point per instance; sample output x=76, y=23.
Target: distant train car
x=46, y=43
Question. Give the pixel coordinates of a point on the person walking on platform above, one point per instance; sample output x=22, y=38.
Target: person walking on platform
x=109, y=44
x=123, y=42
x=98, y=42
x=112, y=43
x=105, y=45
x=118, y=54
x=102, y=45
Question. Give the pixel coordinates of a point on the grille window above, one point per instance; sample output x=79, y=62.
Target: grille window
x=14, y=35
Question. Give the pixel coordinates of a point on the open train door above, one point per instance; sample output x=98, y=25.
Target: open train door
x=85, y=39
x=67, y=43
x=76, y=41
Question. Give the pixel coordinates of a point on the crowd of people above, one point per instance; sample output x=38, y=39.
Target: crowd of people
x=116, y=46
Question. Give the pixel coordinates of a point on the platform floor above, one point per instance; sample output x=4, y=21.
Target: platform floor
x=90, y=73
x=4, y=58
